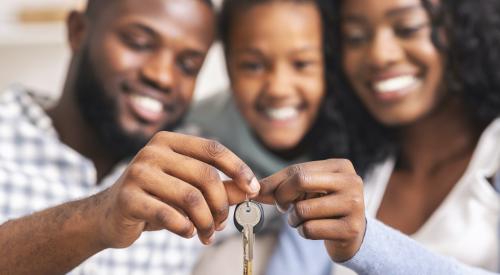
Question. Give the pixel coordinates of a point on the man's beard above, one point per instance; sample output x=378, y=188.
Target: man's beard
x=101, y=113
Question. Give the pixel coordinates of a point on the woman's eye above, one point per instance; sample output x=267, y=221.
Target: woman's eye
x=410, y=31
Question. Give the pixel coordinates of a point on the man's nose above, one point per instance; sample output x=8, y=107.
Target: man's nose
x=159, y=70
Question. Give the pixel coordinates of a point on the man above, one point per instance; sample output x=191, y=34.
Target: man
x=132, y=74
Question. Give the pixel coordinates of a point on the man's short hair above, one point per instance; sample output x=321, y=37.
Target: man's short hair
x=95, y=5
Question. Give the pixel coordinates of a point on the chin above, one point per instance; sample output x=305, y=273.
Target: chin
x=281, y=145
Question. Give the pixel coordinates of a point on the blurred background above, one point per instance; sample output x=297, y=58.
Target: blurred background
x=34, y=53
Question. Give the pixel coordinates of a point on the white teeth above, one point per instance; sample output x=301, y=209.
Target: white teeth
x=147, y=103
x=395, y=84
x=284, y=113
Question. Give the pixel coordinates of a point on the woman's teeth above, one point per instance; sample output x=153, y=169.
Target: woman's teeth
x=147, y=103
x=395, y=84
x=284, y=113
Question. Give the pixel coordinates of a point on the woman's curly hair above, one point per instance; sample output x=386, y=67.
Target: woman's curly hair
x=472, y=53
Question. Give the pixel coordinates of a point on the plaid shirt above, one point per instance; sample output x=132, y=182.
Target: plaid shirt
x=38, y=171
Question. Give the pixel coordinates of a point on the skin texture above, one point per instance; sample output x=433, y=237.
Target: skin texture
x=392, y=41
x=153, y=193
x=279, y=66
x=435, y=130
x=272, y=68
x=134, y=48
x=326, y=198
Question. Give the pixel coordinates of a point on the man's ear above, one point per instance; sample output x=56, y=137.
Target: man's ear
x=77, y=26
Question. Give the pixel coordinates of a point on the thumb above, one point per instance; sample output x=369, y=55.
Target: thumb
x=236, y=195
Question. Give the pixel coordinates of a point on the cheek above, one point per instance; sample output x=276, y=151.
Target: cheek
x=350, y=64
x=245, y=91
x=314, y=92
x=114, y=57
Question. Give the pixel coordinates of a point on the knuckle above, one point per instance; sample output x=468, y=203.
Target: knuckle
x=308, y=230
x=160, y=136
x=353, y=229
x=209, y=174
x=294, y=170
x=244, y=171
x=193, y=198
x=345, y=165
x=214, y=148
x=301, y=179
x=302, y=210
x=162, y=217
x=137, y=171
x=222, y=212
x=186, y=229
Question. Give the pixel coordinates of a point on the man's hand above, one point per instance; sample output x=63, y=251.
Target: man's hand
x=173, y=184
x=326, y=201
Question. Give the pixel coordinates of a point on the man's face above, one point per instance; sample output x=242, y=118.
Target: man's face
x=137, y=67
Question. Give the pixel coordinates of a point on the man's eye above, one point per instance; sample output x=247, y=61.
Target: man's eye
x=137, y=43
x=189, y=67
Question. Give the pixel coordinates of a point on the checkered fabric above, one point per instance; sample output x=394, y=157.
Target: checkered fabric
x=37, y=171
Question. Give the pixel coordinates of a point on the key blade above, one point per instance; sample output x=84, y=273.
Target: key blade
x=250, y=239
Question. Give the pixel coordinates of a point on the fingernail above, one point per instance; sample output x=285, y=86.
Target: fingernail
x=195, y=232
x=221, y=226
x=300, y=229
x=254, y=185
x=210, y=240
x=281, y=209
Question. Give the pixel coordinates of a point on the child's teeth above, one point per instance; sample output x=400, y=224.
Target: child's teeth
x=282, y=113
x=395, y=84
x=147, y=103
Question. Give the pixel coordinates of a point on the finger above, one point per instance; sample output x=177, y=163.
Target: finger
x=269, y=184
x=204, y=177
x=338, y=230
x=181, y=195
x=236, y=195
x=299, y=184
x=160, y=215
x=215, y=154
x=329, y=206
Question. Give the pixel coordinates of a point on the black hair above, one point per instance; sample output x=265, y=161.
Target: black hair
x=93, y=6
x=472, y=72
x=231, y=8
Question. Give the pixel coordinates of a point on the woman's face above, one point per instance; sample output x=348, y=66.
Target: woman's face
x=390, y=60
x=275, y=63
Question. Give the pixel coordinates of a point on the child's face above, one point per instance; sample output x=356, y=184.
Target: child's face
x=390, y=60
x=275, y=63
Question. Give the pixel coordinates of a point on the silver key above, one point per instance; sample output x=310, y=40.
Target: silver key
x=248, y=218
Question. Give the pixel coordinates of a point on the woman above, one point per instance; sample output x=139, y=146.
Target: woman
x=419, y=89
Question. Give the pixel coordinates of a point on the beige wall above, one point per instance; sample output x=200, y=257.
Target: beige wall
x=36, y=55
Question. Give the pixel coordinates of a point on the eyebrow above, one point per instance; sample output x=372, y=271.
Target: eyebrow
x=399, y=11
x=391, y=13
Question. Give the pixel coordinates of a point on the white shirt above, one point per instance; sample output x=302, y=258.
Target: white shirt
x=465, y=225
x=38, y=171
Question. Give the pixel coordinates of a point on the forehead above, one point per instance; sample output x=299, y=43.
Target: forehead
x=377, y=8
x=186, y=19
x=292, y=23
